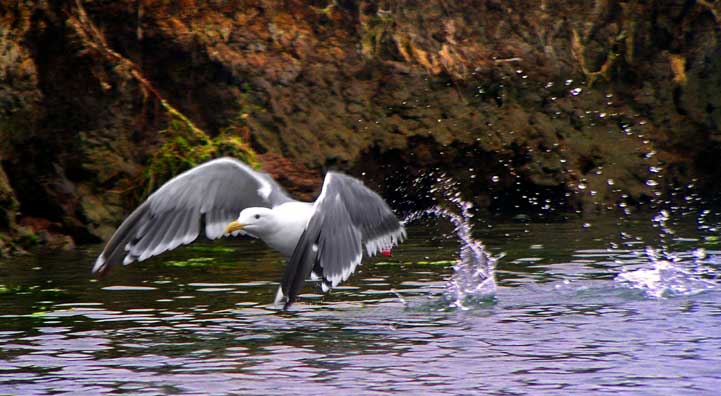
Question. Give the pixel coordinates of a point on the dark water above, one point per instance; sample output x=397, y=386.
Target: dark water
x=199, y=320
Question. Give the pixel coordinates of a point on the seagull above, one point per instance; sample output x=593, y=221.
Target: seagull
x=323, y=240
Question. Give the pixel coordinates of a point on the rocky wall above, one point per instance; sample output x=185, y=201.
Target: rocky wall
x=535, y=106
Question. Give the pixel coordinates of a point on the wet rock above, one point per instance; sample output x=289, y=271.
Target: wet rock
x=533, y=105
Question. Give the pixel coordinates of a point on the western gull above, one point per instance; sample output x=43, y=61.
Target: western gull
x=322, y=239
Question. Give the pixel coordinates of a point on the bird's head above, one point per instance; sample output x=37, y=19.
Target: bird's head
x=254, y=221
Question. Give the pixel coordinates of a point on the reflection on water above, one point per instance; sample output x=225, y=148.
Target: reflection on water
x=200, y=320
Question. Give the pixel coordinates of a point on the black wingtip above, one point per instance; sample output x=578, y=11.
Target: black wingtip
x=282, y=297
x=290, y=296
x=300, y=264
x=101, y=266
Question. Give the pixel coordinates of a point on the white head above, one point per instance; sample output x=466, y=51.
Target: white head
x=254, y=221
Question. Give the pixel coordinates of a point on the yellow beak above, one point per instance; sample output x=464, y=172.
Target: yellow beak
x=233, y=226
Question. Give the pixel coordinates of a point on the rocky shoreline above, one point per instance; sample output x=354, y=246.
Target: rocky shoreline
x=534, y=106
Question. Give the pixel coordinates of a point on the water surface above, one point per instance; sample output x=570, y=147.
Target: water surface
x=199, y=320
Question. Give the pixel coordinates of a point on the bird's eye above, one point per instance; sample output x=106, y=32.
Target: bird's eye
x=257, y=216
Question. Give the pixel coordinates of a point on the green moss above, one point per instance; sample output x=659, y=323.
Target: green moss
x=374, y=30
x=328, y=10
x=210, y=249
x=429, y=263
x=437, y=262
x=20, y=289
x=246, y=106
x=53, y=290
x=711, y=240
x=8, y=203
x=26, y=238
x=187, y=146
x=192, y=262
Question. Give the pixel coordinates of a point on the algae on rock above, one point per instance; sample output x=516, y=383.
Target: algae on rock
x=186, y=146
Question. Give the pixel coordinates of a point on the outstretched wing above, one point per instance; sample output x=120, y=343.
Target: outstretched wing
x=213, y=193
x=347, y=215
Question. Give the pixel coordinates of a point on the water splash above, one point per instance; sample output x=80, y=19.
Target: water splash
x=670, y=275
x=473, y=277
x=473, y=280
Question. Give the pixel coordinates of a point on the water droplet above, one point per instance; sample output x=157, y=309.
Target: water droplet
x=495, y=179
x=581, y=186
x=654, y=169
x=651, y=183
x=586, y=225
x=575, y=91
x=568, y=82
x=610, y=182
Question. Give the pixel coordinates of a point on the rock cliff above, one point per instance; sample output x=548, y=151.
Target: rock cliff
x=534, y=105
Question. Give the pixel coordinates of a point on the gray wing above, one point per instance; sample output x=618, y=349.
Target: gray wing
x=347, y=215
x=212, y=194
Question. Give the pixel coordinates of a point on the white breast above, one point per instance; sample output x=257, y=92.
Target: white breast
x=291, y=217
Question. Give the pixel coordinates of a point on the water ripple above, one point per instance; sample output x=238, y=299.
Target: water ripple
x=559, y=322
